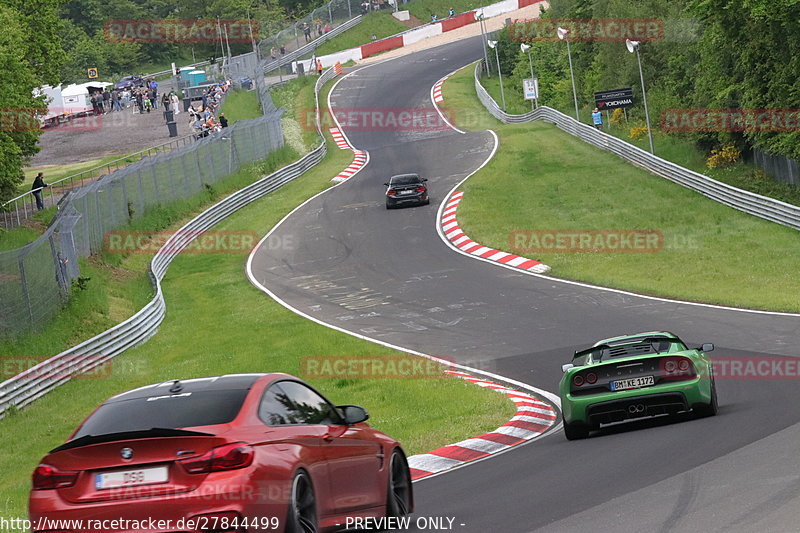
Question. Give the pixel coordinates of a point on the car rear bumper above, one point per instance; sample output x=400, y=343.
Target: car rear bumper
x=402, y=200
x=637, y=403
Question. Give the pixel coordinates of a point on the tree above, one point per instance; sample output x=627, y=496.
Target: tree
x=30, y=56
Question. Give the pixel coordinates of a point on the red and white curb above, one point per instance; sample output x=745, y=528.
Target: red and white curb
x=437, y=91
x=339, y=139
x=459, y=239
x=359, y=159
x=533, y=418
x=438, y=95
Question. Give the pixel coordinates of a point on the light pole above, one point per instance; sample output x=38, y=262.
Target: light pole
x=479, y=14
x=493, y=44
x=633, y=46
x=563, y=34
x=527, y=48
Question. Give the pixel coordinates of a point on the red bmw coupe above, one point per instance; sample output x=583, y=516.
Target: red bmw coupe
x=244, y=452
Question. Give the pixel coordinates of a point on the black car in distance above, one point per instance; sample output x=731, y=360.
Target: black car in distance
x=406, y=189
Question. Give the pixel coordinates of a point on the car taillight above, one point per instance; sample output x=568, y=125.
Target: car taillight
x=391, y=192
x=421, y=189
x=227, y=457
x=683, y=365
x=577, y=380
x=670, y=365
x=591, y=378
x=49, y=477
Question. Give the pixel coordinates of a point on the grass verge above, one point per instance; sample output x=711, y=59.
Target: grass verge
x=379, y=24
x=218, y=323
x=241, y=105
x=544, y=179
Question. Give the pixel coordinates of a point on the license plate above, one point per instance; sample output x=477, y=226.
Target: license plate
x=407, y=192
x=130, y=478
x=633, y=383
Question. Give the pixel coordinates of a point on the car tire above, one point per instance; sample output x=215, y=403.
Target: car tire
x=575, y=431
x=389, y=206
x=708, y=409
x=302, y=513
x=426, y=202
x=399, y=499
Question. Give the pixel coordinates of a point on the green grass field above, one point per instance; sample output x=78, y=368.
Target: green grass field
x=241, y=105
x=380, y=24
x=542, y=178
x=218, y=323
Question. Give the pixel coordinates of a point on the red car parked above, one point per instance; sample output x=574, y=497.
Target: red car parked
x=244, y=452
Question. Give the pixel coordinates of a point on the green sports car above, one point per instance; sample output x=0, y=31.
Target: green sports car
x=635, y=376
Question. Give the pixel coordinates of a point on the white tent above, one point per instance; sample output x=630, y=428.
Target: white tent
x=75, y=97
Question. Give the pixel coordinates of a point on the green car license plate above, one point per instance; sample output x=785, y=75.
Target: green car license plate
x=633, y=383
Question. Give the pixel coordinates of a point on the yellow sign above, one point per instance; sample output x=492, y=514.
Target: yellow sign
x=91, y=72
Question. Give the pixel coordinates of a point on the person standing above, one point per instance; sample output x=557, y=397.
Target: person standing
x=319, y=67
x=597, y=119
x=452, y=13
x=140, y=101
x=106, y=101
x=37, y=188
x=273, y=53
x=154, y=87
x=283, y=49
x=173, y=97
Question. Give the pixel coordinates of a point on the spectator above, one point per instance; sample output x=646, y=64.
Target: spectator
x=433, y=17
x=452, y=13
x=106, y=101
x=139, y=101
x=173, y=98
x=283, y=49
x=319, y=28
x=273, y=53
x=307, y=31
x=223, y=120
x=115, y=106
x=37, y=187
x=327, y=28
x=319, y=67
x=165, y=102
x=597, y=118
x=154, y=87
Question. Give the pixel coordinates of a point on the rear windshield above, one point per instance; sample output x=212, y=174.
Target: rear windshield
x=190, y=409
x=405, y=180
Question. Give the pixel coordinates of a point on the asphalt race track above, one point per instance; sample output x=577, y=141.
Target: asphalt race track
x=388, y=275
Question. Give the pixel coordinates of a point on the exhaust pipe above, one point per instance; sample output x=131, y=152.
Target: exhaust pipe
x=638, y=408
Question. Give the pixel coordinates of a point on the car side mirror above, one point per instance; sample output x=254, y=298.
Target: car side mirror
x=353, y=414
x=424, y=179
x=566, y=367
x=707, y=347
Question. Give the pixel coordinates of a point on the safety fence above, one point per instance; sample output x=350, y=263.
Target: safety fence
x=37, y=381
x=36, y=280
x=746, y=201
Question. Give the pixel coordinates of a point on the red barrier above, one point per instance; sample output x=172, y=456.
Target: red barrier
x=525, y=3
x=381, y=46
x=458, y=21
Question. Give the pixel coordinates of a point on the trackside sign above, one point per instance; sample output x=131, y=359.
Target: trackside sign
x=606, y=100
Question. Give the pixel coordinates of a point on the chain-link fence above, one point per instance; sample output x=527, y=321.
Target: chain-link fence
x=36, y=280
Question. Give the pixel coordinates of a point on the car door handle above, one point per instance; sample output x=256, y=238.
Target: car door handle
x=327, y=437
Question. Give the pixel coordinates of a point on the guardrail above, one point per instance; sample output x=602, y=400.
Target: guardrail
x=37, y=381
x=746, y=201
x=280, y=62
